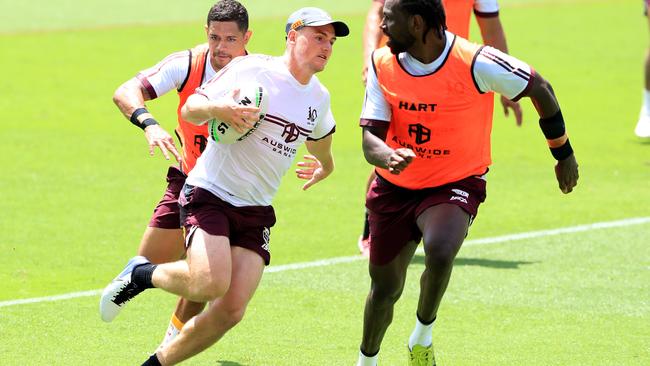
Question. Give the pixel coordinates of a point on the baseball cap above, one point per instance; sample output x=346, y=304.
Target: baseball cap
x=314, y=17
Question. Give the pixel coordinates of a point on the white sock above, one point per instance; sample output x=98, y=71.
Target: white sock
x=421, y=334
x=367, y=361
x=645, y=108
x=175, y=326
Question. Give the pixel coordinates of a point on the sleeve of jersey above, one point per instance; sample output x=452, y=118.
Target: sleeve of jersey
x=166, y=75
x=376, y=110
x=221, y=83
x=486, y=8
x=496, y=71
x=325, y=127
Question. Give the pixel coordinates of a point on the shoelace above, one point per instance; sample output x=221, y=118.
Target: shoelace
x=126, y=293
x=422, y=357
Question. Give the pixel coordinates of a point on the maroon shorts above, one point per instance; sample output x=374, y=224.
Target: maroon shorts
x=393, y=211
x=166, y=215
x=247, y=227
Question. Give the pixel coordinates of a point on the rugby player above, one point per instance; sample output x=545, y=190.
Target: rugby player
x=427, y=119
x=458, y=13
x=226, y=200
x=227, y=34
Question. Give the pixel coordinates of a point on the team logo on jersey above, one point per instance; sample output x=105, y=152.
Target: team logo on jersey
x=312, y=114
x=200, y=141
x=417, y=107
x=422, y=134
x=290, y=132
x=266, y=235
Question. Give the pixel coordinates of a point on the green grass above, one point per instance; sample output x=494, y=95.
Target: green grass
x=78, y=187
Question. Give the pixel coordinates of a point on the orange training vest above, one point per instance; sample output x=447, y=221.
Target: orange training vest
x=441, y=116
x=458, y=14
x=193, y=138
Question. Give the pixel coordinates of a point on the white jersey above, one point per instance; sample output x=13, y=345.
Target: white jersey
x=486, y=7
x=171, y=73
x=493, y=70
x=248, y=172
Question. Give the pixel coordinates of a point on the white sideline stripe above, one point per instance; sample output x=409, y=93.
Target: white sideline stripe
x=33, y=300
x=333, y=261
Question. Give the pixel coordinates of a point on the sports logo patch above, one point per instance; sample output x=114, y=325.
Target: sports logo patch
x=266, y=235
x=460, y=192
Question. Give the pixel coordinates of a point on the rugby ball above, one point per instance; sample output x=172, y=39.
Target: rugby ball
x=249, y=95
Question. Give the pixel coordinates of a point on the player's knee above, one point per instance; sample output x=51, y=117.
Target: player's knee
x=441, y=256
x=233, y=315
x=385, y=294
x=209, y=290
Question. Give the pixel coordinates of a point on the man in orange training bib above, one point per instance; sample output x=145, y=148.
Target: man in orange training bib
x=427, y=120
x=458, y=14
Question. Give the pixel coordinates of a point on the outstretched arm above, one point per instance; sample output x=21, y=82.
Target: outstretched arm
x=319, y=165
x=129, y=99
x=493, y=35
x=552, y=124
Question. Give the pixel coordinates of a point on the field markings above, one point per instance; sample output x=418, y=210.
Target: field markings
x=338, y=260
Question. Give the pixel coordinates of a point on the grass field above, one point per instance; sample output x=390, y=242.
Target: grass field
x=78, y=188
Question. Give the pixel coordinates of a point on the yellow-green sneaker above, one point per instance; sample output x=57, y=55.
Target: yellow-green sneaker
x=421, y=356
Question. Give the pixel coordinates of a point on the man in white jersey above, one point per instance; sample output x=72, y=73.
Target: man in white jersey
x=226, y=201
x=426, y=119
x=227, y=35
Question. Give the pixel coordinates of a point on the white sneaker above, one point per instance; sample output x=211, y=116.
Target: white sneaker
x=120, y=291
x=643, y=126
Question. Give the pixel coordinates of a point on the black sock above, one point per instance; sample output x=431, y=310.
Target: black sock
x=367, y=355
x=366, y=227
x=423, y=322
x=141, y=275
x=152, y=361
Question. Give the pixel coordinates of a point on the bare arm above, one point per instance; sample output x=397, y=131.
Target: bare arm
x=492, y=32
x=493, y=35
x=381, y=155
x=131, y=96
x=543, y=98
x=319, y=165
x=371, y=34
x=198, y=109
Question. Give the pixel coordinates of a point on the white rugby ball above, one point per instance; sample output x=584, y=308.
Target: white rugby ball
x=252, y=95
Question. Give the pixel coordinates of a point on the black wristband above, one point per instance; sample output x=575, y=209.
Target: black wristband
x=147, y=120
x=553, y=126
x=562, y=152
